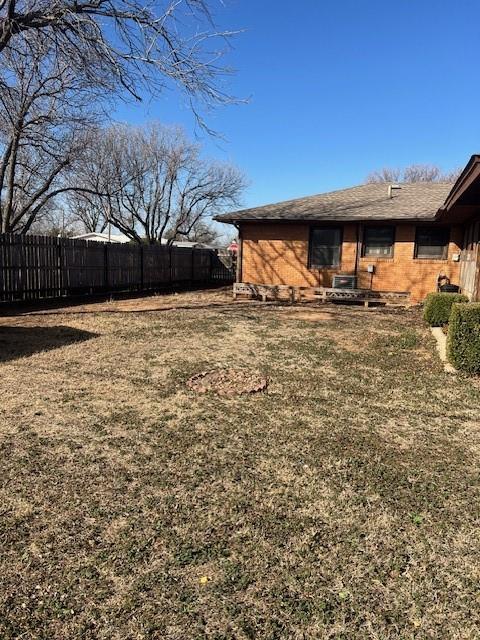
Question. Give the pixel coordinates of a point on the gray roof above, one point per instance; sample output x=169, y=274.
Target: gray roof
x=414, y=201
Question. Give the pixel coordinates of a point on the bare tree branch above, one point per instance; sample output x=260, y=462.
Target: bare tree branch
x=126, y=46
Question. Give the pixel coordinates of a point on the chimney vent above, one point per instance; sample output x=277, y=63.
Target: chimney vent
x=391, y=188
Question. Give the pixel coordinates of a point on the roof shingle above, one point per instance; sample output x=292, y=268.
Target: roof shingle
x=414, y=201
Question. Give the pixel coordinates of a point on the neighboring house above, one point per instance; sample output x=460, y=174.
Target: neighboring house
x=121, y=238
x=96, y=236
x=392, y=237
x=189, y=244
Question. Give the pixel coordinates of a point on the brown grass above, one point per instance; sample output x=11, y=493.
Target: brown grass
x=343, y=502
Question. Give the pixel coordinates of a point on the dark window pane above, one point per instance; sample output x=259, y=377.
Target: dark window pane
x=327, y=236
x=325, y=247
x=432, y=243
x=325, y=256
x=378, y=241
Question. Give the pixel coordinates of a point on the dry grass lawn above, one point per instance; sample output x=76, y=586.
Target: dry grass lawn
x=343, y=502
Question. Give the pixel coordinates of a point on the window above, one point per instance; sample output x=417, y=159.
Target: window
x=432, y=242
x=325, y=247
x=378, y=241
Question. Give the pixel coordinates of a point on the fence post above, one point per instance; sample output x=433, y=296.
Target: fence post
x=142, y=281
x=61, y=279
x=192, y=270
x=105, y=266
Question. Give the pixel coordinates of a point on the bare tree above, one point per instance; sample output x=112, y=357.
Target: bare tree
x=90, y=205
x=386, y=174
x=87, y=211
x=152, y=183
x=44, y=107
x=57, y=59
x=127, y=45
x=413, y=173
x=451, y=176
x=422, y=173
x=55, y=220
x=204, y=232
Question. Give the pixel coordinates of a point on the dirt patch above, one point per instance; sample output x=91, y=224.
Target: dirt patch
x=227, y=382
x=310, y=316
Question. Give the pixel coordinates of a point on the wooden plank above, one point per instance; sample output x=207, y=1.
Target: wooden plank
x=470, y=261
x=325, y=293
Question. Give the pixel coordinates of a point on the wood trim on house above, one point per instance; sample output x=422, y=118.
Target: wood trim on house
x=469, y=176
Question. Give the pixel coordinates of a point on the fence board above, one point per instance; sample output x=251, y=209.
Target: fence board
x=202, y=264
x=35, y=267
x=123, y=265
x=156, y=266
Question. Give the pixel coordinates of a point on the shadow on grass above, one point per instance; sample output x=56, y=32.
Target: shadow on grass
x=51, y=305
x=19, y=342
x=332, y=309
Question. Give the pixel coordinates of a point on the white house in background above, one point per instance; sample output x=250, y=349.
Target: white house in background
x=189, y=244
x=95, y=236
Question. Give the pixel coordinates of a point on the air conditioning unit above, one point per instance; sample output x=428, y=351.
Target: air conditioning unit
x=344, y=282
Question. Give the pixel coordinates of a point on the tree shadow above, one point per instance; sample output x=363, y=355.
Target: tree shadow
x=221, y=306
x=19, y=342
x=24, y=307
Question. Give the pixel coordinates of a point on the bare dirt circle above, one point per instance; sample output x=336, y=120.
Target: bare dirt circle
x=227, y=382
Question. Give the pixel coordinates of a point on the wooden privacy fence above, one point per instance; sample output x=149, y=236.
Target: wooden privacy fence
x=34, y=267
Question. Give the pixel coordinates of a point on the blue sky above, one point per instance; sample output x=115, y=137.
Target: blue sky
x=338, y=89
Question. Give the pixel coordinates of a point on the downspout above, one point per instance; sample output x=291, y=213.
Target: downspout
x=239, y=253
x=359, y=247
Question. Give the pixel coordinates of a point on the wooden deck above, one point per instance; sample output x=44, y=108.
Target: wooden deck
x=293, y=294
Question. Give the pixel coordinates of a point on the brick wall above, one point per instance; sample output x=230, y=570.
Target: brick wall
x=278, y=254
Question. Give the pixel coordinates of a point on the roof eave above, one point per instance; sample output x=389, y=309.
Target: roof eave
x=425, y=218
x=470, y=173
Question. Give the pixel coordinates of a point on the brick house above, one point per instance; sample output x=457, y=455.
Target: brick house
x=391, y=237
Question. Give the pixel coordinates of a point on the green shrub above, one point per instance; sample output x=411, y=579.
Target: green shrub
x=438, y=307
x=463, y=342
